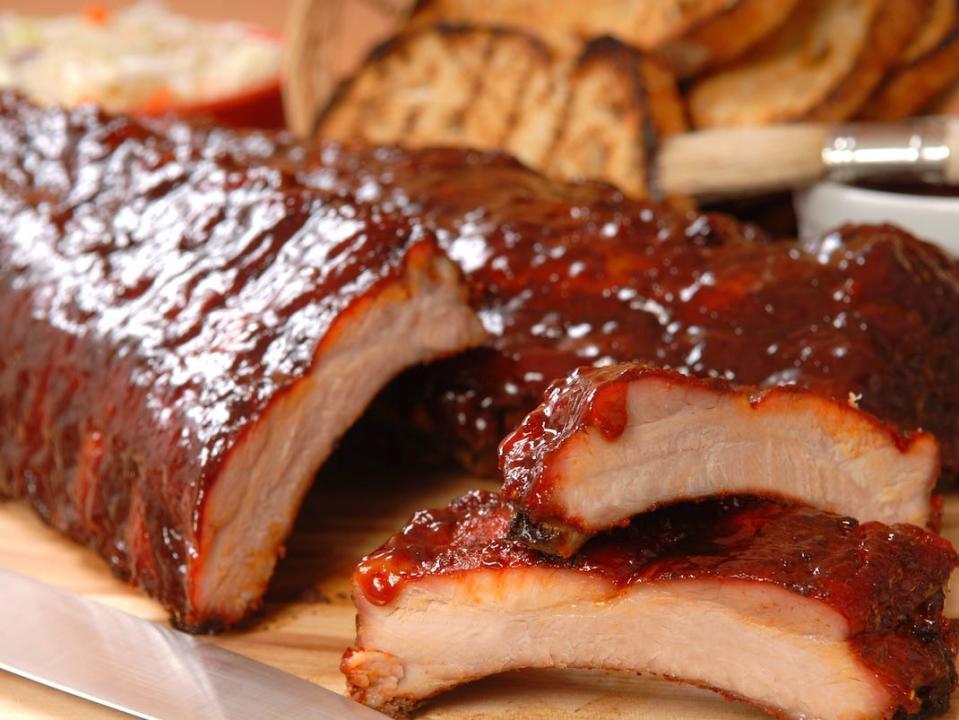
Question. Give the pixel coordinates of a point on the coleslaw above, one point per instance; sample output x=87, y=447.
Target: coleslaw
x=141, y=59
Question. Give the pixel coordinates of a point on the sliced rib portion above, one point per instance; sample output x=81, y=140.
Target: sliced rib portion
x=610, y=443
x=185, y=337
x=803, y=613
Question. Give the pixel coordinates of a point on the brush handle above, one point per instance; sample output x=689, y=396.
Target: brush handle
x=723, y=162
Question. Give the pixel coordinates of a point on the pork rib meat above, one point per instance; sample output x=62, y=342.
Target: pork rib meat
x=568, y=275
x=610, y=443
x=800, y=612
x=184, y=337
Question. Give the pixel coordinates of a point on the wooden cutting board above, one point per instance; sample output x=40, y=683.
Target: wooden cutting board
x=308, y=620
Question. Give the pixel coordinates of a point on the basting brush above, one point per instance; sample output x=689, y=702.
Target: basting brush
x=741, y=161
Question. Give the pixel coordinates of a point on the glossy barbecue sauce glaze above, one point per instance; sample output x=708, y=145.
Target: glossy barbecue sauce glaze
x=120, y=258
x=596, y=398
x=158, y=292
x=566, y=275
x=571, y=275
x=887, y=582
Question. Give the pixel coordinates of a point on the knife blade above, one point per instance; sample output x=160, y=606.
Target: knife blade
x=144, y=669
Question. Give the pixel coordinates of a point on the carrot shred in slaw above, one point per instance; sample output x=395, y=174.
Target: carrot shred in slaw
x=96, y=14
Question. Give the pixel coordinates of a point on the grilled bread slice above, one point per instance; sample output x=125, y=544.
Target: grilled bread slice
x=929, y=67
x=691, y=35
x=645, y=24
x=822, y=65
x=725, y=36
x=940, y=19
x=618, y=104
x=593, y=116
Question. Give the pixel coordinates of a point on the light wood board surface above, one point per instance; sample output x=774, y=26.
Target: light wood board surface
x=309, y=619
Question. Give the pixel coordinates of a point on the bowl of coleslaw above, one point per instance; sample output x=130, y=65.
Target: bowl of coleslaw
x=145, y=60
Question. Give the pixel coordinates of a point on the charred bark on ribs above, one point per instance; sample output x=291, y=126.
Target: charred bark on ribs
x=176, y=284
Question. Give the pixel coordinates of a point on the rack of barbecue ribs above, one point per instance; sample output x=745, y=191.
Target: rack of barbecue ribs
x=567, y=275
x=798, y=611
x=610, y=443
x=192, y=317
x=185, y=331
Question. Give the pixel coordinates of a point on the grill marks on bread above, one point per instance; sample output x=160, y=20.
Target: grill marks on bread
x=595, y=115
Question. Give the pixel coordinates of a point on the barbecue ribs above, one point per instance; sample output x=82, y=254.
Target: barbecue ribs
x=569, y=275
x=611, y=443
x=800, y=612
x=186, y=332
x=191, y=318
x=565, y=275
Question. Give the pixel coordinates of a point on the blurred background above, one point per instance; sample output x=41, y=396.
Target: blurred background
x=268, y=13
x=572, y=89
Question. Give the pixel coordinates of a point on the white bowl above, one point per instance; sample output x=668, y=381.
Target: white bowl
x=827, y=205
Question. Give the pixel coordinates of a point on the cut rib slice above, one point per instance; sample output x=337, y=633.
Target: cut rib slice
x=803, y=613
x=610, y=443
x=414, y=314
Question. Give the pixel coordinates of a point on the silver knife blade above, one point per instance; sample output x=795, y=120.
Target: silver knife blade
x=146, y=670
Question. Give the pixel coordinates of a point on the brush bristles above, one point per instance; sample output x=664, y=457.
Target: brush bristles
x=742, y=161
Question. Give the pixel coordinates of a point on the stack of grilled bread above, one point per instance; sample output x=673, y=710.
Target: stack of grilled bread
x=585, y=90
x=594, y=114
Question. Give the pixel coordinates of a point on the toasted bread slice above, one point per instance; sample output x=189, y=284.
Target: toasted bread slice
x=645, y=24
x=913, y=87
x=618, y=104
x=595, y=116
x=724, y=36
x=690, y=35
x=822, y=65
x=946, y=102
x=939, y=21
